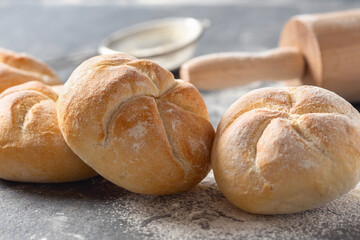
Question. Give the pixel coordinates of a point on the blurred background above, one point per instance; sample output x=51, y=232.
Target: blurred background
x=63, y=33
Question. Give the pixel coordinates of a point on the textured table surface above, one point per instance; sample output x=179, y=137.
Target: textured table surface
x=64, y=35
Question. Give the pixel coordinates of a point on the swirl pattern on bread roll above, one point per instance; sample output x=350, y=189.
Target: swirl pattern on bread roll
x=32, y=148
x=18, y=68
x=136, y=125
x=287, y=150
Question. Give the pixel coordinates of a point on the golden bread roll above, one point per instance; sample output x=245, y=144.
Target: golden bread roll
x=135, y=125
x=287, y=150
x=58, y=89
x=32, y=148
x=18, y=68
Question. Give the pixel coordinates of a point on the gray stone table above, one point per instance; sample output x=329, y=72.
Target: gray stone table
x=64, y=35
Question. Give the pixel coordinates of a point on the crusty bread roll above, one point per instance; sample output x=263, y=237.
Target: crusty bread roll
x=58, y=89
x=286, y=150
x=18, y=68
x=135, y=125
x=32, y=148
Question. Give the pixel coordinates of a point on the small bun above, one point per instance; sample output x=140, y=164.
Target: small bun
x=58, y=89
x=135, y=125
x=32, y=148
x=18, y=68
x=287, y=150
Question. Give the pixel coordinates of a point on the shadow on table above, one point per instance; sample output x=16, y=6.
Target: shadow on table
x=94, y=188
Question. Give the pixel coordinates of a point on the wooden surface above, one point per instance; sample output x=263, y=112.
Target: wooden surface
x=64, y=35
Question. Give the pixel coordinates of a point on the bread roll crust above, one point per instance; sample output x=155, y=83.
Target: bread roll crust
x=32, y=148
x=57, y=89
x=18, y=68
x=287, y=150
x=135, y=125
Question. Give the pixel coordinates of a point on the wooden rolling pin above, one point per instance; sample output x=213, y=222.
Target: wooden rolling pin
x=316, y=49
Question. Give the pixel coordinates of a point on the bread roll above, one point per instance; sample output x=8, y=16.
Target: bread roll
x=32, y=148
x=58, y=89
x=135, y=125
x=18, y=68
x=287, y=150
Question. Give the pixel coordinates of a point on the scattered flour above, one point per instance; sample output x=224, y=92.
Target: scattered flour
x=138, y=131
x=203, y=213
x=137, y=146
x=196, y=144
x=97, y=209
x=306, y=164
x=175, y=124
x=76, y=236
x=58, y=221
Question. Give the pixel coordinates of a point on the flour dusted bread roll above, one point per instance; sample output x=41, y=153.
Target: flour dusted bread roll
x=32, y=148
x=287, y=150
x=58, y=89
x=18, y=68
x=135, y=125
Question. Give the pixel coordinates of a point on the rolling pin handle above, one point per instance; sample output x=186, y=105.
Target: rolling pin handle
x=221, y=70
